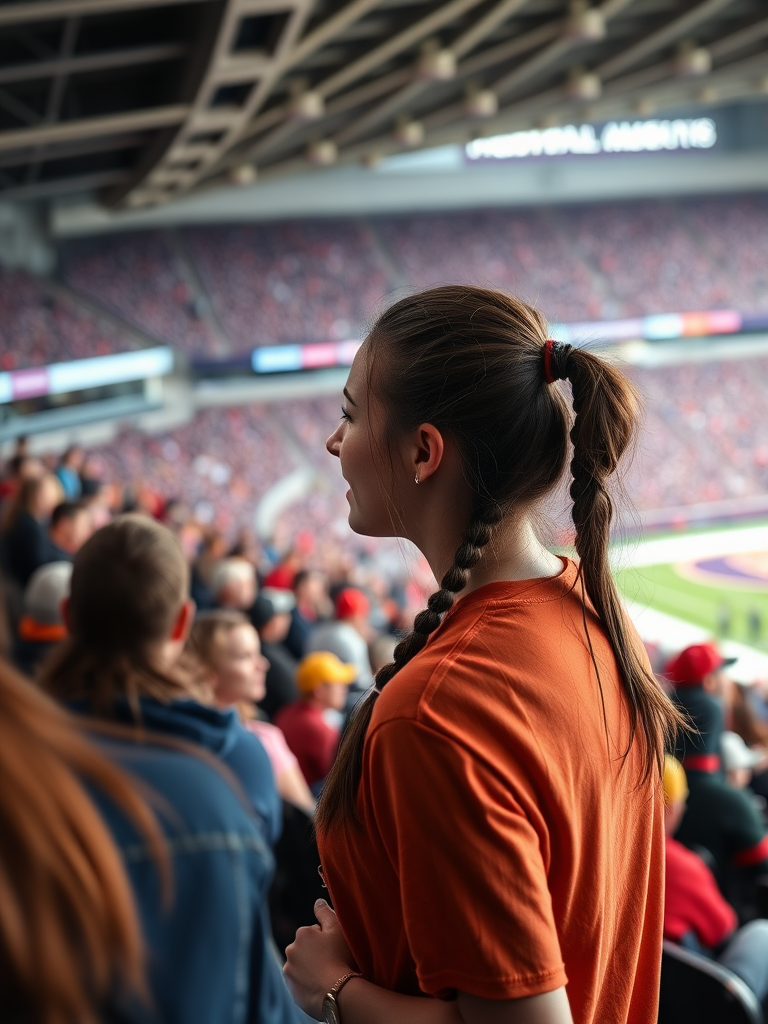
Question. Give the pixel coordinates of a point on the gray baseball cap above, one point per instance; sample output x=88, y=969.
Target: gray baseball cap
x=47, y=588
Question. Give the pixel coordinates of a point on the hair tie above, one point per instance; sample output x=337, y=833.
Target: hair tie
x=548, y=375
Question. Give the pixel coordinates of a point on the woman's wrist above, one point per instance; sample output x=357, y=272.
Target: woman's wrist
x=342, y=996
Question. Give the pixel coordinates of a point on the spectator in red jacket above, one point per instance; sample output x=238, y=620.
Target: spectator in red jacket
x=323, y=681
x=695, y=913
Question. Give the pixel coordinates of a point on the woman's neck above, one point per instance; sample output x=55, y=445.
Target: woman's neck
x=514, y=553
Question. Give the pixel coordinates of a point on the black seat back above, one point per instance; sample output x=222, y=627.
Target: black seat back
x=694, y=988
x=296, y=884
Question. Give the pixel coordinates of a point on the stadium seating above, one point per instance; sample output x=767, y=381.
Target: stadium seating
x=226, y=289
x=698, y=446
x=219, y=465
x=37, y=328
x=700, y=442
x=694, y=988
x=140, y=277
x=289, y=282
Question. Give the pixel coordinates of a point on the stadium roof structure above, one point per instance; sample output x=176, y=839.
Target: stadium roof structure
x=144, y=101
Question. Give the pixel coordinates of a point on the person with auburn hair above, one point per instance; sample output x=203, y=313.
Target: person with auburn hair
x=109, y=913
x=128, y=616
x=491, y=833
x=70, y=938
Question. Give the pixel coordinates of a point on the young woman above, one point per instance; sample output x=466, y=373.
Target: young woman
x=228, y=649
x=492, y=830
x=128, y=617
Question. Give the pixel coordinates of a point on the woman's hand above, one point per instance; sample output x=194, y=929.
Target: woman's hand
x=315, y=961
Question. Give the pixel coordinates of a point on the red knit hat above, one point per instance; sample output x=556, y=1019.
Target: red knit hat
x=690, y=666
x=352, y=601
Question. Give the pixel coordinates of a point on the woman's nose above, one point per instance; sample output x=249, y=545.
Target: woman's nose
x=332, y=444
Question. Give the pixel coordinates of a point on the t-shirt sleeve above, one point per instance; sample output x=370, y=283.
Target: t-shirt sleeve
x=477, y=908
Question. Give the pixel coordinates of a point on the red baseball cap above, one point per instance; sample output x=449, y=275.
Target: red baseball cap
x=690, y=666
x=352, y=601
x=280, y=578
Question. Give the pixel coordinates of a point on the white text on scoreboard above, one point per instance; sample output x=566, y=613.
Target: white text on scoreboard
x=586, y=140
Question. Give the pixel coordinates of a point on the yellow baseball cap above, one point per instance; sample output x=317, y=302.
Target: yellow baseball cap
x=323, y=667
x=675, y=782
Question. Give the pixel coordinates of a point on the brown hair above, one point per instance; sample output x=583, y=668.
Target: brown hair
x=25, y=498
x=203, y=638
x=129, y=582
x=471, y=362
x=207, y=629
x=69, y=933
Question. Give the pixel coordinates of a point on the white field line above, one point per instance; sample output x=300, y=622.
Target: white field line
x=688, y=547
x=672, y=634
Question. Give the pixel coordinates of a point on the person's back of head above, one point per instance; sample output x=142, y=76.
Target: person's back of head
x=271, y=614
x=42, y=624
x=127, y=617
x=28, y=497
x=73, y=457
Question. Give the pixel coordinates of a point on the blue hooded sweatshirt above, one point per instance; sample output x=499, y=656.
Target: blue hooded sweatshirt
x=221, y=733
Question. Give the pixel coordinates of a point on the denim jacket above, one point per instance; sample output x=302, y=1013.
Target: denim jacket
x=221, y=733
x=211, y=958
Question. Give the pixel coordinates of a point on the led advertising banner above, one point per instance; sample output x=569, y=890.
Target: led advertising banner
x=661, y=326
x=80, y=374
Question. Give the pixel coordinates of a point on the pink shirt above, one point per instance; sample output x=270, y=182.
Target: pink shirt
x=272, y=739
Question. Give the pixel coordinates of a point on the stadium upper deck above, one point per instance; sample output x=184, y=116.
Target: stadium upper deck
x=212, y=291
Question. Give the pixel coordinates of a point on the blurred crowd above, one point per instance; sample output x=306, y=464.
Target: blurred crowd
x=290, y=282
x=139, y=606
x=141, y=278
x=181, y=650
x=215, y=290
x=698, y=445
x=37, y=327
x=700, y=441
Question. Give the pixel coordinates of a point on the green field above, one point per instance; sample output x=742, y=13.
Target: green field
x=660, y=587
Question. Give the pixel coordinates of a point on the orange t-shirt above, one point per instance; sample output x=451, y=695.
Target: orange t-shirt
x=506, y=850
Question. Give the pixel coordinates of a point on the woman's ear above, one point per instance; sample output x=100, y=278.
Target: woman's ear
x=428, y=448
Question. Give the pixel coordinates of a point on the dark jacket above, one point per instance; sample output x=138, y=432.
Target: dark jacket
x=22, y=548
x=280, y=683
x=211, y=957
x=221, y=733
x=718, y=817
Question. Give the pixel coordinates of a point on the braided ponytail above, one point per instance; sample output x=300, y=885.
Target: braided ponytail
x=477, y=365
x=606, y=404
x=338, y=801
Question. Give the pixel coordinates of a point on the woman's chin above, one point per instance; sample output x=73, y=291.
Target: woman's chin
x=358, y=525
